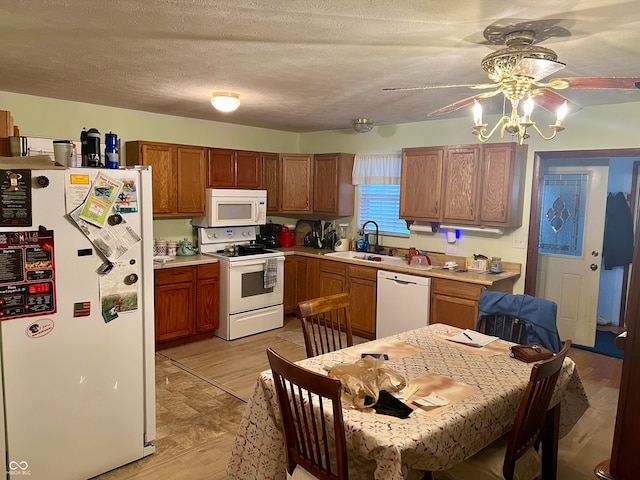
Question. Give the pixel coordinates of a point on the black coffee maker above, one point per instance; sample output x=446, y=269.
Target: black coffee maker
x=269, y=235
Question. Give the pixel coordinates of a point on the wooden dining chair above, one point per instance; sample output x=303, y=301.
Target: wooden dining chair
x=515, y=456
x=303, y=395
x=503, y=326
x=326, y=324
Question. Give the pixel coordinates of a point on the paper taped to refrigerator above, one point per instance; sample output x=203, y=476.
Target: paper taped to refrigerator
x=112, y=240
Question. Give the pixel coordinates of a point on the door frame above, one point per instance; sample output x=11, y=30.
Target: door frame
x=539, y=160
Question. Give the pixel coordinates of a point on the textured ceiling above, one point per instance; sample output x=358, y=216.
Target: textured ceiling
x=298, y=66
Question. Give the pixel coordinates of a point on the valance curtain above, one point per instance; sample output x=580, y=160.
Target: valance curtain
x=382, y=169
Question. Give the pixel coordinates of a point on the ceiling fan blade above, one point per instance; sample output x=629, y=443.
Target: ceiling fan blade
x=551, y=100
x=536, y=68
x=433, y=87
x=623, y=83
x=461, y=103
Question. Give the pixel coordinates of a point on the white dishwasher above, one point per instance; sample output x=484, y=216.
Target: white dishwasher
x=403, y=303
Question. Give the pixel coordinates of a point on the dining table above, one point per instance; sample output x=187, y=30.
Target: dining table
x=482, y=387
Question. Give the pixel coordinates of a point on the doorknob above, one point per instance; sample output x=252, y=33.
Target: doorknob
x=594, y=253
x=594, y=267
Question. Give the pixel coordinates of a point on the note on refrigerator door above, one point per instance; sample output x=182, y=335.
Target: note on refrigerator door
x=100, y=200
x=112, y=240
x=119, y=290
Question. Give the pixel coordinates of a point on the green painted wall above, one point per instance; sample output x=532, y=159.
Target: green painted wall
x=602, y=127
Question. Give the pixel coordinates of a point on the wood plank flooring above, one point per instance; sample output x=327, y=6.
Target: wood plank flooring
x=202, y=389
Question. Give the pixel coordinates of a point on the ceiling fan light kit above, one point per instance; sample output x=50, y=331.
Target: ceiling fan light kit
x=362, y=125
x=517, y=71
x=225, y=101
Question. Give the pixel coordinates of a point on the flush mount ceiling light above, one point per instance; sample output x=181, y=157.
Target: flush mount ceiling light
x=225, y=101
x=362, y=125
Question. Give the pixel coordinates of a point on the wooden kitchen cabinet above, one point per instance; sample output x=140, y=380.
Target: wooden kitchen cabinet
x=333, y=192
x=178, y=176
x=421, y=183
x=271, y=180
x=290, y=284
x=301, y=281
x=460, y=194
x=464, y=184
x=186, y=303
x=333, y=278
x=234, y=169
x=454, y=303
x=174, y=303
x=362, y=288
x=296, y=177
x=502, y=184
x=208, y=297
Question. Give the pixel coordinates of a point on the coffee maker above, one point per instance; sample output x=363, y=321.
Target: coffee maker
x=269, y=235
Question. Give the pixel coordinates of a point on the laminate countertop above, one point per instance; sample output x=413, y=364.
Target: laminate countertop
x=510, y=271
x=179, y=261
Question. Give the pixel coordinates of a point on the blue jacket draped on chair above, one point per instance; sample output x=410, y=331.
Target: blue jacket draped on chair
x=538, y=314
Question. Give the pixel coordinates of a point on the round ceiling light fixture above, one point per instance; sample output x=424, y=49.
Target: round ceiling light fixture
x=225, y=101
x=362, y=125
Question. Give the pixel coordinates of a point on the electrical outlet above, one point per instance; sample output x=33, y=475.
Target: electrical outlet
x=518, y=242
x=451, y=249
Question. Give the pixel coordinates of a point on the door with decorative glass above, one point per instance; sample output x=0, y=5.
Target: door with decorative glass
x=570, y=244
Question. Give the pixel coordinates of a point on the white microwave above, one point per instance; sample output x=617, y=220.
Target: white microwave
x=227, y=207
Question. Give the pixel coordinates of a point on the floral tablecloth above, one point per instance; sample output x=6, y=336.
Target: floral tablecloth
x=385, y=447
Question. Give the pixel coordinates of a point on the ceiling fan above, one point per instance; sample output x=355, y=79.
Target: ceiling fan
x=517, y=71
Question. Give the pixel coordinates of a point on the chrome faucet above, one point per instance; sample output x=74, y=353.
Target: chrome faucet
x=377, y=248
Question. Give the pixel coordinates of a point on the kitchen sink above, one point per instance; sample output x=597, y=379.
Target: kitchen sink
x=368, y=258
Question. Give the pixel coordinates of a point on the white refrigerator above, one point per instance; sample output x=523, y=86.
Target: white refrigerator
x=77, y=387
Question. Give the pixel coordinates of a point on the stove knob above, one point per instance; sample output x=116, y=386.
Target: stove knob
x=215, y=235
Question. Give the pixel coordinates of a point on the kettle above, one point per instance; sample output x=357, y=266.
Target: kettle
x=186, y=248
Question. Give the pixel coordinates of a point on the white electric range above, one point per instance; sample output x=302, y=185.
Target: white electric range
x=251, y=281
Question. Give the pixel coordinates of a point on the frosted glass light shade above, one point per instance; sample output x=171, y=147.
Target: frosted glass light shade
x=225, y=101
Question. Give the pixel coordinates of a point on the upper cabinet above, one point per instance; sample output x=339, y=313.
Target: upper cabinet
x=178, y=176
x=333, y=193
x=461, y=170
x=465, y=184
x=305, y=183
x=271, y=180
x=296, y=180
x=421, y=183
x=502, y=184
x=234, y=169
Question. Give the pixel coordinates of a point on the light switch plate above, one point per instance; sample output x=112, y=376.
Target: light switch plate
x=518, y=242
x=451, y=249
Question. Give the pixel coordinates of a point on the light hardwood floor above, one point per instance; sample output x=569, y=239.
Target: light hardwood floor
x=202, y=389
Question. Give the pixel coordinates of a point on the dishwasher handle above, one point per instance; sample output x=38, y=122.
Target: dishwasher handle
x=402, y=282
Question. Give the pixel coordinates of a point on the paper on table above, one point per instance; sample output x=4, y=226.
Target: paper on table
x=473, y=338
x=431, y=400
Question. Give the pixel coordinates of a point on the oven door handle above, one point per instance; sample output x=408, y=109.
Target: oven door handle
x=249, y=263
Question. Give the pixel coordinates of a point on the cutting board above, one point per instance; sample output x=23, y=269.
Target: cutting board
x=302, y=228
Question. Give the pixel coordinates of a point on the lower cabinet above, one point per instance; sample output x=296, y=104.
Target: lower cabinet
x=361, y=283
x=186, y=303
x=455, y=303
x=301, y=281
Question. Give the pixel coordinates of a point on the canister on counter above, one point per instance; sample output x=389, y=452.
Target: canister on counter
x=496, y=265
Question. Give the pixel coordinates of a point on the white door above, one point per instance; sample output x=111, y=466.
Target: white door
x=570, y=245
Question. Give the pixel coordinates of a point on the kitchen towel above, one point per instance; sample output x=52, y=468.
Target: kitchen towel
x=270, y=272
